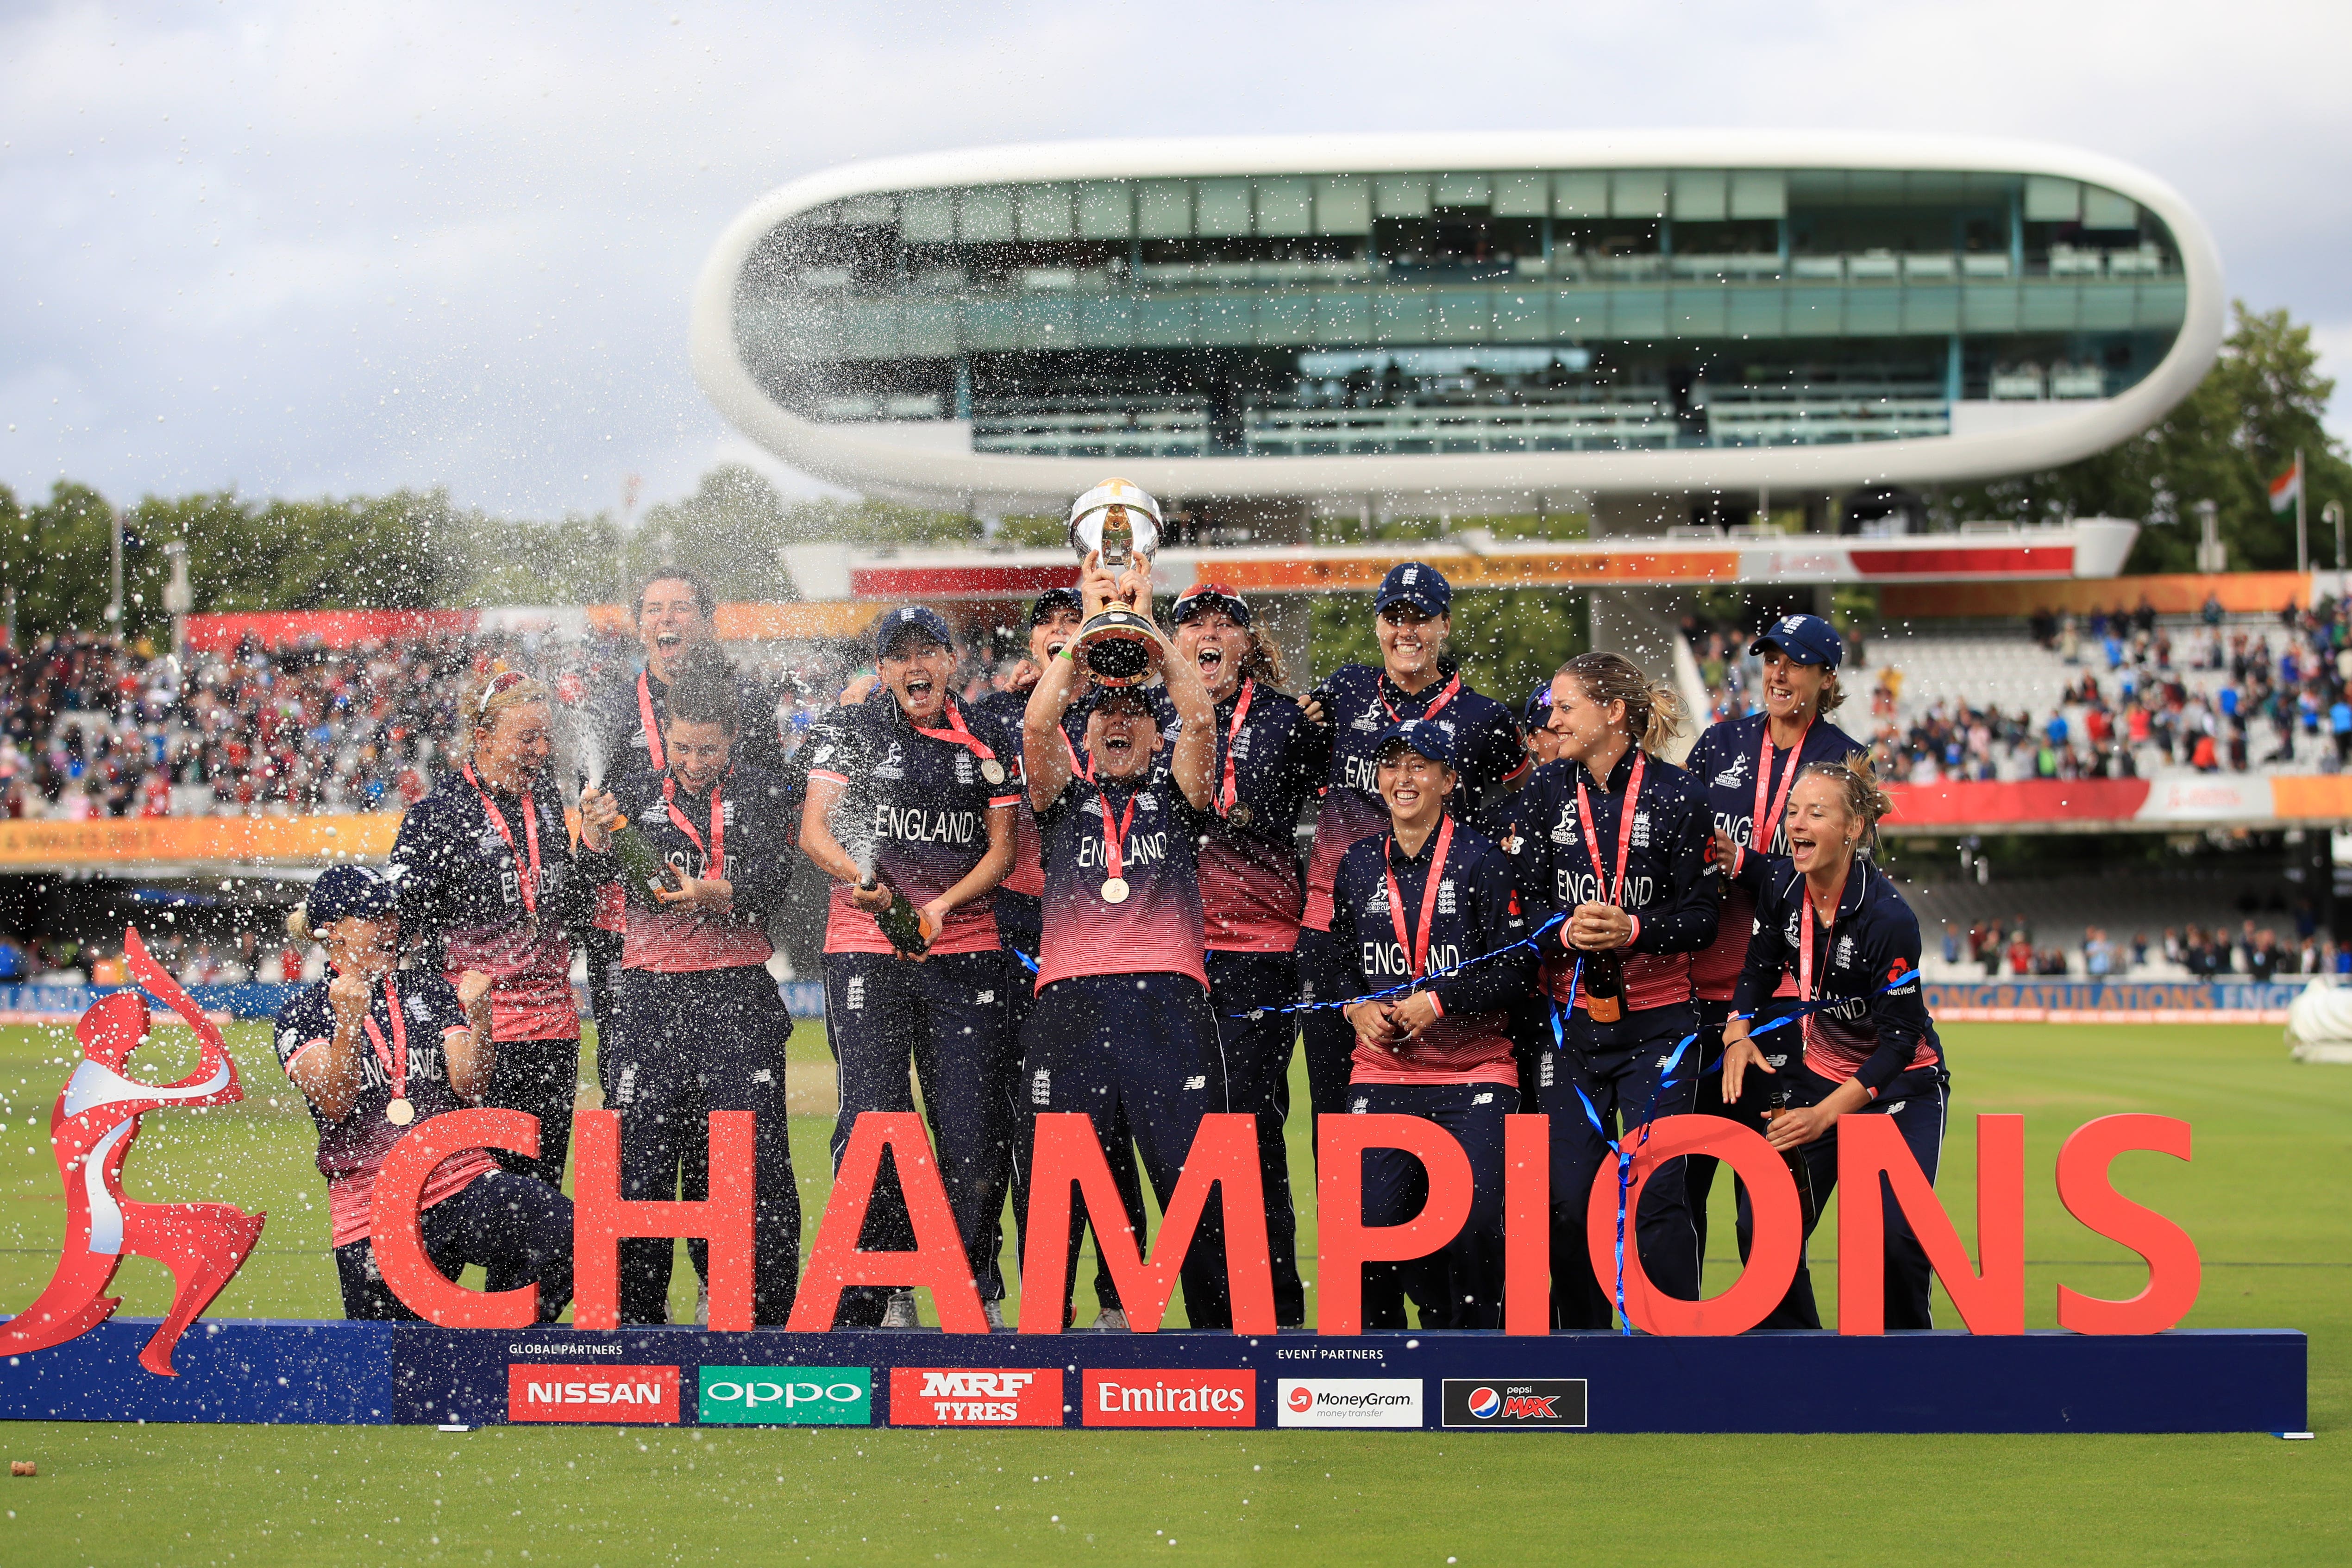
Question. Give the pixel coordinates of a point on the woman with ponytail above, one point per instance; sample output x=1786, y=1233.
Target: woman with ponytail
x=1620, y=843
x=1866, y=1046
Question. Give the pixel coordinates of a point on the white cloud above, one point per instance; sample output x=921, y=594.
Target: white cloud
x=349, y=248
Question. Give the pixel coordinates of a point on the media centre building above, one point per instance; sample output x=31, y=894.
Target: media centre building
x=1663, y=329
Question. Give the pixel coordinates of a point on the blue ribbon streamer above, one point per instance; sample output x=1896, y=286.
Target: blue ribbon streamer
x=1638, y=1135
x=1528, y=941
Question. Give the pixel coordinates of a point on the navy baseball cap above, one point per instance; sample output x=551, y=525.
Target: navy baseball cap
x=1806, y=639
x=1202, y=596
x=1536, y=712
x=908, y=620
x=1421, y=587
x=1052, y=602
x=343, y=891
x=1430, y=739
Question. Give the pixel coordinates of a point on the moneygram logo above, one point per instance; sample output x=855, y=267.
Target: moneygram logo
x=1350, y=1402
x=603, y=1394
x=788, y=1395
x=975, y=1396
x=1495, y=1404
x=1171, y=1396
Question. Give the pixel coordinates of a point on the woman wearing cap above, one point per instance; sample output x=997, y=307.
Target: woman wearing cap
x=1830, y=920
x=484, y=869
x=1410, y=904
x=1619, y=844
x=1121, y=1025
x=704, y=1027
x=1748, y=766
x=1356, y=704
x=379, y=1051
x=1267, y=762
x=905, y=798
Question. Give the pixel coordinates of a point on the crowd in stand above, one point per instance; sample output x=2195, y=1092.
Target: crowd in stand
x=2255, y=951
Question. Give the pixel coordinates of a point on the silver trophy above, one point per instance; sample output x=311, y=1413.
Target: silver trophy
x=1118, y=523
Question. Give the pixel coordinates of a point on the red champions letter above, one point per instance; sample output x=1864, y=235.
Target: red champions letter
x=392, y=1224
x=2174, y=1271
x=1526, y=1225
x=1068, y=1154
x=939, y=1262
x=601, y=1217
x=1771, y=1260
x=1993, y=1303
x=1345, y=1243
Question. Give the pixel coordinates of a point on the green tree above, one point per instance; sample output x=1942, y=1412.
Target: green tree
x=2240, y=428
x=1507, y=640
x=58, y=556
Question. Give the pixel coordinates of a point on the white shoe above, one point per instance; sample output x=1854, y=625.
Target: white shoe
x=996, y=1312
x=1110, y=1321
x=900, y=1312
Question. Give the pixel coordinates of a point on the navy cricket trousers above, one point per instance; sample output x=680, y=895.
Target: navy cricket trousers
x=1257, y=1069
x=1461, y=1285
x=1909, y=1278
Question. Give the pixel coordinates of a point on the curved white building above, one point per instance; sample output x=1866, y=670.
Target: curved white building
x=1397, y=318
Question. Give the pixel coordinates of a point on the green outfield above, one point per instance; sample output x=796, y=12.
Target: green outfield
x=2268, y=1199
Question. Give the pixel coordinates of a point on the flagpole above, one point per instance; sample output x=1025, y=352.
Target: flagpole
x=2301, y=536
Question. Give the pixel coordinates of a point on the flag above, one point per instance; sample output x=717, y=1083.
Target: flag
x=2287, y=488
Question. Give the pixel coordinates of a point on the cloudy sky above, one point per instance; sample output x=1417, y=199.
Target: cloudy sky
x=301, y=249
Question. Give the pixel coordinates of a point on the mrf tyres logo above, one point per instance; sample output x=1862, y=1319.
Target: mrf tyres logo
x=1350, y=1402
x=1499, y=1405
x=1170, y=1396
x=975, y=1396
x=788, y=1395
x=603, y=1394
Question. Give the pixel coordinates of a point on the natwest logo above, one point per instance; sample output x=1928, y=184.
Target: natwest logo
x=975, y=1396
x=1350, y=1402
x=1538, y=1402
x=1170, y=1396
x=598, y=1394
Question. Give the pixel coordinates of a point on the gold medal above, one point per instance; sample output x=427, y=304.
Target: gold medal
x=1114, y=891
x=1241, y=816
x=993, y=771
x=399, y=1112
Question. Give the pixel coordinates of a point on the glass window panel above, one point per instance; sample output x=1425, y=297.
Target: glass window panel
x=1343, y=205
x=1759, y=192
x=1106, y=320
x=1520, y=196
x=1522, y=317
x=1399, y=319
x=1163, y=323
x=1226, y=318
x=1223, y=208
x=1937, y=187
x=1287, y=318
x=928, y=329
x=987, y=215
x=1464, y=190
x=1106, y=210
x=1462, y=316
x=1045, y=212
x=1285, y=207
x=2108, y=209
x=1164, y=209
x=1404, y=195
x=1816, y=187
x=1701, y=195
x=927, y=218
x=1343, y=318
x=873, y=207
x=1638, y=193
x=1874, y=187
x=1583, y=194
x=2049, y=199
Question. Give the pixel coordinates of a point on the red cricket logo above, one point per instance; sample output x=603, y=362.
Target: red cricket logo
x=91, y=1129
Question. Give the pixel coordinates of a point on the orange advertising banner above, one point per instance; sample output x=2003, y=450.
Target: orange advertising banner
x=2181, y=593
x=31, y=844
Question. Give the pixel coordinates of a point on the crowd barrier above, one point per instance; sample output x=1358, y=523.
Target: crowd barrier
x=2111, y=1002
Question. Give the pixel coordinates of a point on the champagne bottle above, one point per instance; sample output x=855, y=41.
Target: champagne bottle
x=1605, y=986
x=1799, y=1168
x=642, y=871
x=902, y=922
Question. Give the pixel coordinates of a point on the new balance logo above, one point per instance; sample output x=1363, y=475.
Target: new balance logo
x=1198, y=1080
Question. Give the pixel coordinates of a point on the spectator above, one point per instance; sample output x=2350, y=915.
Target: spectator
x=2098, y=955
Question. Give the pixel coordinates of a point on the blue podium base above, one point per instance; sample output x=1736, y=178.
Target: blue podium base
x=366, y=1373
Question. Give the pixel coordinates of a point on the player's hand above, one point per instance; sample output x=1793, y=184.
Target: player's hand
x=1372, y=1022
x=701, y=894
x=1597, y=928
x=1739, y=1054
x=1098, y=589
x=347, y=994
x=859, y=689
x=1312, y=709
x=1726, y=851
x=473, y=988
x=1416, y=1014
x=873, y=899
x=1798, y=1126
x=600, y=816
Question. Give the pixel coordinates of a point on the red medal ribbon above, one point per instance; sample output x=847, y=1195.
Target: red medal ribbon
x=1084, y=770
x=1231, y=790
x=1624, y=832
x=955, y=734
x=1759, y=838
x=1417, y=952
x=714, y=856
x=1115, y=835
x=1453, y=690
x=531, y=832
x=395, y=1061
x=653, y=725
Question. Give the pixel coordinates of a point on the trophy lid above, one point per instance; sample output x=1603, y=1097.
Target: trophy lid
x=1115, y=500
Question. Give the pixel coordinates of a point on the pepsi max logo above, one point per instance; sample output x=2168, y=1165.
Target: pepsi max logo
x=1499, y=1406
